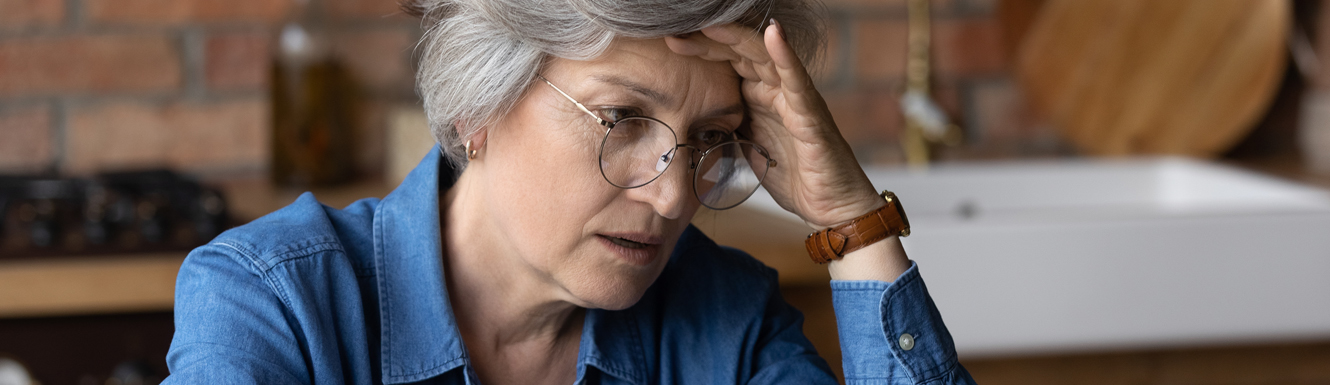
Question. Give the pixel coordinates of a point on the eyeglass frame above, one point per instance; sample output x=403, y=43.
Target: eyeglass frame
x=692, y=166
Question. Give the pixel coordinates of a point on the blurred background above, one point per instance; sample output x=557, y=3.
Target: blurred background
x=134, y=130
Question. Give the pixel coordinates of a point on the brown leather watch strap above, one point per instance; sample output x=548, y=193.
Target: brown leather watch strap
x=833, y=243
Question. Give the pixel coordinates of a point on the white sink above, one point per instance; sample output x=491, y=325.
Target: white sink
x=1076, y=256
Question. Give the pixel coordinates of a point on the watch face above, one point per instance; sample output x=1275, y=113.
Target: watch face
x=900, y=210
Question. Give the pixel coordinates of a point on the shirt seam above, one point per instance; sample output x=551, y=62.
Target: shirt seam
x=422, y=373
x=295, y=253
x=307, y=251
x=640, y=359
x=613, y=369
x=891, y=293
x=385, y=304
x=888, y=326
x=246, y=352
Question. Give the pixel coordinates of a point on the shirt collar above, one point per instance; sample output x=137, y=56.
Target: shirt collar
x=612, y=342
x=419, y=334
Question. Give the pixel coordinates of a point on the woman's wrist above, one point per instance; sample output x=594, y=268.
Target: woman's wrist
x=881, y=261
x=844, y=214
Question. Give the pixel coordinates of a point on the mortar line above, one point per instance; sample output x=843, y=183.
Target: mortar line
x=59, y=133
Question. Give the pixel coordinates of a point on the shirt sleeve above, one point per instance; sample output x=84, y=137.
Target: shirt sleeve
x=892, y=333
x=231, y=327
x=784, y=355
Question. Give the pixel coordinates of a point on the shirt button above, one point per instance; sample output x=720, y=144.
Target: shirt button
x=906, y=341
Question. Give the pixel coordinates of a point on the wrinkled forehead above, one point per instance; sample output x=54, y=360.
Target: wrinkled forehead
x=683, y=82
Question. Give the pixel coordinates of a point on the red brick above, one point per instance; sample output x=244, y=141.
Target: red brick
x=947, y=93
x=175, y=12
x=938, y=6
x=1001, y=112
x=827, y=69
x=191, y=136
x=54, y=65
x=21, y=14
x=981, y=6
x=967, y=47
x=25, y=139
x=880, y=49
x=367, y=9
x=1321, y=42
x=866, y=116
x=237, y=61
x=371, y=136
x=379, y=59
x=859, y=4
x=871, y=115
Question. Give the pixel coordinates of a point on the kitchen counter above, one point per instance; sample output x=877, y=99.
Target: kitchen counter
x=130, y=283
x=133, y=283
x=109, y=284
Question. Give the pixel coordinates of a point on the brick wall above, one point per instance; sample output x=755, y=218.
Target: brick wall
x=865, y=74
x=88, y=85
x=101, y=84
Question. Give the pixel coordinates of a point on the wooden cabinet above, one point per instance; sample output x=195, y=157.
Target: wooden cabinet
x=88, y=285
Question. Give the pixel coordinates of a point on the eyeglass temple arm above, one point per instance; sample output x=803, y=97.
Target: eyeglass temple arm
x=602, y=122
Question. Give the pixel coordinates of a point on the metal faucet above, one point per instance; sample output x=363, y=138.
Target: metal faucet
x=926, y=126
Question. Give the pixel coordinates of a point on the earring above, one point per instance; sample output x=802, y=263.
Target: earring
x=470, y=154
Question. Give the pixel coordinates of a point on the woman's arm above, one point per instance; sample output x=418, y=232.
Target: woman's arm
x=894, y=331
x=230, y=326
x=890, y=329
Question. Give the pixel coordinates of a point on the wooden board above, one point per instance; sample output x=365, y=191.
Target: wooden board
x=88, y=285
x=774, y=240
x=1186, y=77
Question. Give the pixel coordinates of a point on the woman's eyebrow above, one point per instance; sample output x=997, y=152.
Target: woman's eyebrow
x=737, y=109
x=661, y=97
x=656, y=96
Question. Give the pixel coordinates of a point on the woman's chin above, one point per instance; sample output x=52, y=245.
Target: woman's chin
x=614, y=303
x=611, y=294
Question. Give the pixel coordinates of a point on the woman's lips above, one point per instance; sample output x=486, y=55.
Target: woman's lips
x=627, y=243
x=645, y=238
x=635, y=248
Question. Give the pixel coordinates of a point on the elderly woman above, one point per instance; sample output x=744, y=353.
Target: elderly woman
x=589, y=132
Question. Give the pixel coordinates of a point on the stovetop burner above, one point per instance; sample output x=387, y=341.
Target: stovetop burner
x=110, y=213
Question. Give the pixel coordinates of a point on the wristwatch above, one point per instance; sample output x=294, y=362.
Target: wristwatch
x=833, y=243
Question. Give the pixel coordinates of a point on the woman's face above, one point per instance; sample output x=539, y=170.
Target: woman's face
x=597, y=245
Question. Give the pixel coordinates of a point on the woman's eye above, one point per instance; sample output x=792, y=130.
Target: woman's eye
x=711, y=137
x=614, y=114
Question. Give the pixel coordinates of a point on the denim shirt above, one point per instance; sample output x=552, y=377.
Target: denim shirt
x=314, y=295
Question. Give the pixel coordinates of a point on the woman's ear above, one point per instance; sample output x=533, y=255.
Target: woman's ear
x=478, y=139
x=474, y=142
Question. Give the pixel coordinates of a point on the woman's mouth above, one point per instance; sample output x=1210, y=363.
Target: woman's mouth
x=626, y=243
x=636, y=249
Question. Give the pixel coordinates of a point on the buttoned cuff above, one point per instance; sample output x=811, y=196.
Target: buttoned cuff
x=891, y=332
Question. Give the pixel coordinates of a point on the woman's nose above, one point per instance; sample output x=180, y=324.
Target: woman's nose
x=670, y=192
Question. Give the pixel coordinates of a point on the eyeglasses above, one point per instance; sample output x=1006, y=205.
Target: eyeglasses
x=636, y=150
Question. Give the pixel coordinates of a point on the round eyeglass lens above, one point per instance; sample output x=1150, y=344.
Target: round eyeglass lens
x=728, y=174
x=636, y=151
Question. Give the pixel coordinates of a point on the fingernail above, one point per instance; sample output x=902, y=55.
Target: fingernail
x=776, y=24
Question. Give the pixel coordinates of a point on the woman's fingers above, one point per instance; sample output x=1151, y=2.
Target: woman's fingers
x=748, y=45
x=704, y=47
x=798, y=89
x=741, y=39
x=772, y=59
x=785, y=61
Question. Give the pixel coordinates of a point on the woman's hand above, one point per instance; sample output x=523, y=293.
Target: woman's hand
x=817, y=176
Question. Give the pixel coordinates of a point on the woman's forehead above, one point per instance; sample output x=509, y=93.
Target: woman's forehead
x=647, y=66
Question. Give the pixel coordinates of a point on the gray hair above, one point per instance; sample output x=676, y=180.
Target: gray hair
x=478, y=56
